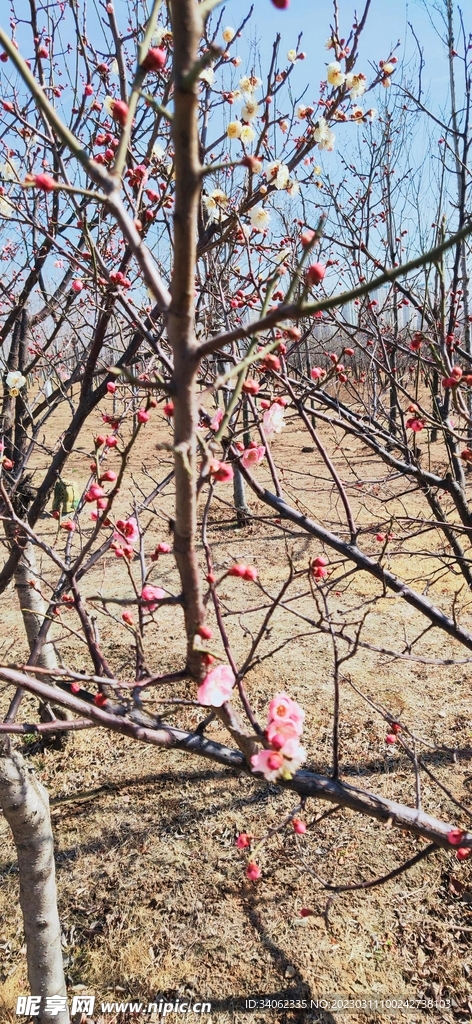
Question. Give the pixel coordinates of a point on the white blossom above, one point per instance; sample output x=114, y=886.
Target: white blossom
x=250, y=110
x=207, y=75
x=356, y=84
x=215, y=204
x=157, y=37
x=228, y=34
x=323, y=135
x=233, y=130
x=277, y=174
x=247, y=134
x=8, y=171
x=248, y=85
x=6, y=209
x=334, y=74
x=108, y=104
x=259, y=218
x=15, y=380
x=292, y=187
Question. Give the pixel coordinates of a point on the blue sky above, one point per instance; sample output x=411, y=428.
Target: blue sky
x=387, y=24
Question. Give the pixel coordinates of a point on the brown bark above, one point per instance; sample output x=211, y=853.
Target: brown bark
x=187, y=28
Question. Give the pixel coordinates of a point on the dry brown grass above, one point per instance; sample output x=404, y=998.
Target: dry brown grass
x=152, y=892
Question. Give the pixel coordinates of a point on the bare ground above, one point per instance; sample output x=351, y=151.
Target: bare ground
x=152, y=893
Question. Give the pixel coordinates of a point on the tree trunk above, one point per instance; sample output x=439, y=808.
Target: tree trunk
x=25, y=804
x=33, y=610
x=33, y=606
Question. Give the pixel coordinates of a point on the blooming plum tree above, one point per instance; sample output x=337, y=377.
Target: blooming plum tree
x=158, y=279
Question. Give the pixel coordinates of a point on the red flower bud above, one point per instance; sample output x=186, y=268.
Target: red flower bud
x=45, y=182
x=315, y=273
x=119, y=111
x=253, y=871
x=243, y=841
x=155, y=59
x=204, y=632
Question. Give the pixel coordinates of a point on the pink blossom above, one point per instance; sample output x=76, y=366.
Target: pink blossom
x=273, y=419
x=217, y=418
x=415, y=424
x=292, y=751
x=150, y=593
x=299, y=826
x=216, y=687
x=280, y=733
x=269, y=762
x=253, y=871
x=283, y=709
x=126, y=529
x=316, y=373
x=221, y=471
x=253, y=456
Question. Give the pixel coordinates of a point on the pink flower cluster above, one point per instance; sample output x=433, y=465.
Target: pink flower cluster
x=284, y=728
x=125, y=535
